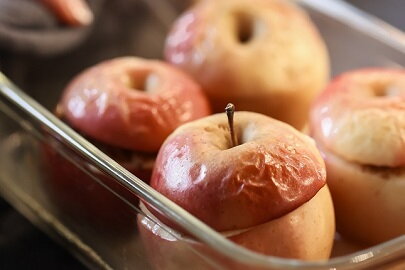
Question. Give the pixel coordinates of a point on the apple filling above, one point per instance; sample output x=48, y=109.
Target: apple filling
x=385, y=172
x=127, y=158
x=133, y=161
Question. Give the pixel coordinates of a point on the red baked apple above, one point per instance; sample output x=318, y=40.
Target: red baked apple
x=131, y=103
x=359, y=125
x=264, y=190
x=126, y=107
x=264, y=56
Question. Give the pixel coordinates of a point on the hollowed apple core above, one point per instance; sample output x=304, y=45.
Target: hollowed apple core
x=142, y=80
x=387, y=90
x=245, y=27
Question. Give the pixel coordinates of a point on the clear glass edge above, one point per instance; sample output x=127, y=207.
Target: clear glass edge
x=359, y=20
x=377, y=254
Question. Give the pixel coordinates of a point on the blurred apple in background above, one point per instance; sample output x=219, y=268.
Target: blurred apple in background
x=263, y=55
x=131, y=103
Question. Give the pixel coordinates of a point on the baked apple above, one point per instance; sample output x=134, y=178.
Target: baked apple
x=126, y=107
x=264, y=190
x=131, y=103
x=358, y=123
x=264, y=56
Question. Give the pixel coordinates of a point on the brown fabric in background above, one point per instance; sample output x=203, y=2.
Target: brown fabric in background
x=28, y=27
x=121, y=28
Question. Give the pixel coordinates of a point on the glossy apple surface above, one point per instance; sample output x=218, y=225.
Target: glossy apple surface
x=132, y=103
x=359, y=125
x=126, y=107
x=273, y=171
x=263, y=55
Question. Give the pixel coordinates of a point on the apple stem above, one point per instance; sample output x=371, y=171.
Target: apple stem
x=230, y=110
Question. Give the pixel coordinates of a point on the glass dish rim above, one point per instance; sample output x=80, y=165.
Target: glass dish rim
x=213, y=239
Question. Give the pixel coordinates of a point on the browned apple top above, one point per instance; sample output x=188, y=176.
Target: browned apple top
x=241, y=43
x=264, y=56
x=360, y=116
x=273, y=170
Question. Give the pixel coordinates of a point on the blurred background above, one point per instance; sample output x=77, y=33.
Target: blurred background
x=391, y=11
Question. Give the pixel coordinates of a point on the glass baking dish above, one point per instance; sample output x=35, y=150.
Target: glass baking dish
x=102, y=222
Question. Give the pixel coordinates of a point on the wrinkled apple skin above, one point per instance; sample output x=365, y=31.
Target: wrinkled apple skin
x=274, y=170
x=132, y=103
x=270, y=188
